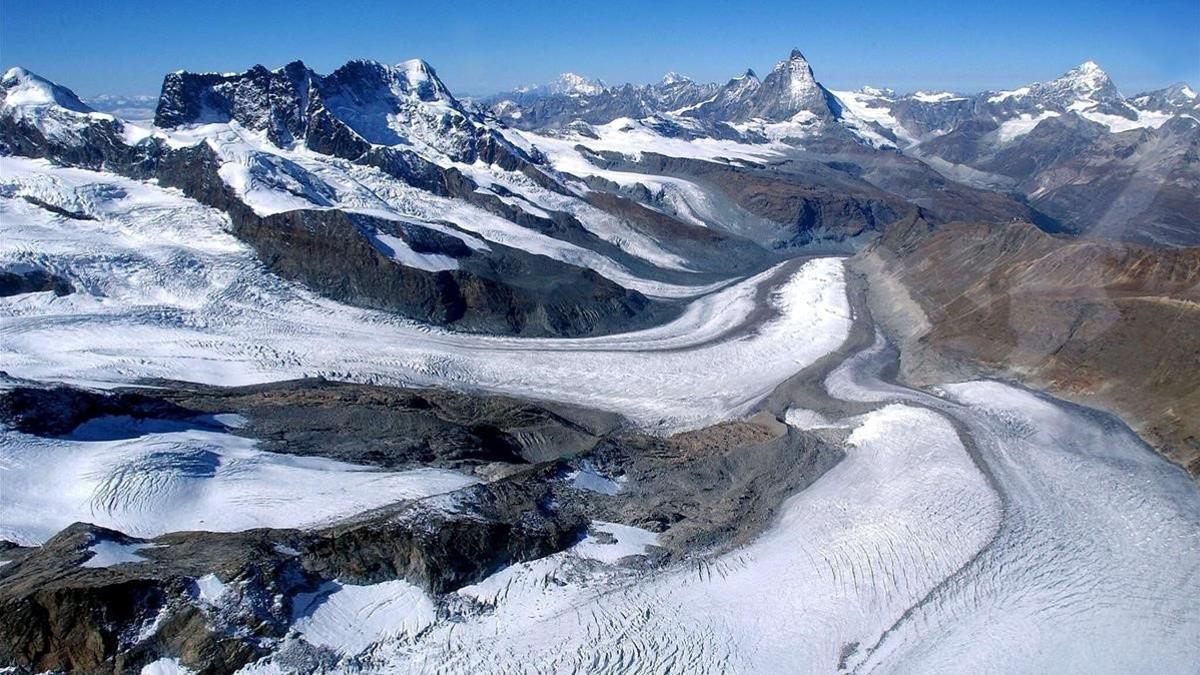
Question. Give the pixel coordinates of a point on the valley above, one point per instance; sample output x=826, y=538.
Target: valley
x=343, y=373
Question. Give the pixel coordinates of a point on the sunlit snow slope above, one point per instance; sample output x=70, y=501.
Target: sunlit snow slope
x=983, y=529
x=166, y=292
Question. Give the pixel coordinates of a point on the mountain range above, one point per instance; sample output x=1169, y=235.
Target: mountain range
x=1071, y=147
x=341, y=372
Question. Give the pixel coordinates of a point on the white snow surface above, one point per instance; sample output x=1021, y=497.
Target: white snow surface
x=167, y=292
x=1058, y=543
x=587, y=477
x=611, y=542
x=633, y=137
x=1146, y=119
x=351, y=618
x=166, y=666
x=147, y=479
x=107, y=553
x=843, y=562
x=397, y=249
x=272, y=180
x=860, y=109
x=937, y=97
x=210, y=589
x=1020, y=125
x=1001, y=96
x=23, y=88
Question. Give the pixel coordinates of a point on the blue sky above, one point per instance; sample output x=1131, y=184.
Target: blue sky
x=125, y=47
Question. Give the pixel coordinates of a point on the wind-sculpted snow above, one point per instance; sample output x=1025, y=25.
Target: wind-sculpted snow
x=147, y=479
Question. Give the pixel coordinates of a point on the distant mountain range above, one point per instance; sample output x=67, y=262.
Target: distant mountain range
x=1074, y=147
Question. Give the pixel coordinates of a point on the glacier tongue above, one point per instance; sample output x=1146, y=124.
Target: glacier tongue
x=985, y=528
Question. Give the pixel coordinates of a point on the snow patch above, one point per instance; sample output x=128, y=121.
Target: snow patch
x=587, y=477
x=107, y=553
x=802, y=418
x=166, y=666
x=397, y=249
x=351, y=618
x=210, y=589
x=1022, y=124
x=611, y=542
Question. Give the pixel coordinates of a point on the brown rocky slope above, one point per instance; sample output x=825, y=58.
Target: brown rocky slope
x=1115, y=326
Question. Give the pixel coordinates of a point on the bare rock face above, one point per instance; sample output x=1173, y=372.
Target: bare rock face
x=447, y=542
x=33, y=281
x=400, y=428
x=55, y=411
x=69, y=605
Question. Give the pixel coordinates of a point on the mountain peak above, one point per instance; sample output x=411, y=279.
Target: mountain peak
x=789, y=89
x=574, y=83
x=1083, y=85
x=881, y=92
x=1086, y=76
x=21, y=87
x=674, y=78
x=1183, y=90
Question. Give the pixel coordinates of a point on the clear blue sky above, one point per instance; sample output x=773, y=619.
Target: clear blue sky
x=125, y=47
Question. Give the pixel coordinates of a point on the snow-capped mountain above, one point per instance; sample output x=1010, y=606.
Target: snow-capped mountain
x=427, y=209
x=342, y=373
x=560, y=103
x=1084, y=85
x=789, y=89
x=567, y=84
x=359, y=106
x=1178, y=98
x=986, y=139
x=23, y=90
x=729, y=101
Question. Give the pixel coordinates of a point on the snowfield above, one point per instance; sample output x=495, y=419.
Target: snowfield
x=166, y=292
x=1027, y=536
x=150, y=478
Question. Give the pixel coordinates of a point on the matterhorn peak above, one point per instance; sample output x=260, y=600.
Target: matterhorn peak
x=796, y=74
x=795, y=62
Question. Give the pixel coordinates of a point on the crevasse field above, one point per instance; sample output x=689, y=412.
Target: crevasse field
x=977, y=527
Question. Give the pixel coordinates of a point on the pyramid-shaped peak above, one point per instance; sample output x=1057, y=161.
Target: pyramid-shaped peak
x=1084, y=83
x=1086, y=75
